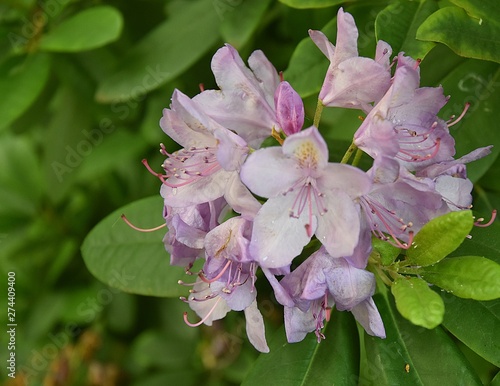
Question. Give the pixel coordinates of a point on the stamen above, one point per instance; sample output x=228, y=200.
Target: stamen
x=281, y=76
x=202, y=87
x=124, y=218
x=479, y=222
x=466, y=107
x=202, y=320
x=203, y=277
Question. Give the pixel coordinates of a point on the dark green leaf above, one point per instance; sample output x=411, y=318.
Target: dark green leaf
x=334, y=361
x=239, y=22
x=162, y=54
x=475, y=324
x=19, y=164
x=412, y=355
x=439, y=237
x=129, y=260
x=477, y=83
x=109, y=150
x=21, y=81
x=484, y=242
x=397, y=25
x=469, y=277
x=89, y=29
x=417, y=302
x=472, y=31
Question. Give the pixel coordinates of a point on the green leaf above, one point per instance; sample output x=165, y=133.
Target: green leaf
x=475, y=324
x=162, y=55
x=417, y=302
x=472, y=31
x=22, y=79
x=108, y=151
x=397, y=25
x=311, y=3
x=484, y=242
x=331, y=362
x=89, y=29
x=240, y=22
x=439, y=237
x=469, y=277
x=384, y=251
x=412, y=355
x=19, y=164
x=477, y=83
x=129, y=260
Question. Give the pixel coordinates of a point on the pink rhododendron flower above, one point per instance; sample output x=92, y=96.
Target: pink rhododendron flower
x=306, y=195
x=352, y=81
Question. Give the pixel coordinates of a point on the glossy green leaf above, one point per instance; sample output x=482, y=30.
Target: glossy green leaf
x=89, y=29
x=477, y=83
x=311, y=3
x=439, y=237
x=240, y=21
x=475, y=323
x=496, y=381
x=333, y=361
x=397, y=25
x=469, y=277
x=384, y=251
x=129, y=260
x=412, y=355
x=484, y=242
x=472, y=31
x=417, y=302
x=22, y=79
x=162, y=55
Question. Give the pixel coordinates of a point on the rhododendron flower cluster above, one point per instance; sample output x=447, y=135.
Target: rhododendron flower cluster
x=249, y=211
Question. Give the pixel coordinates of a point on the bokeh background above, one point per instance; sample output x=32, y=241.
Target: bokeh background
x=82, y=88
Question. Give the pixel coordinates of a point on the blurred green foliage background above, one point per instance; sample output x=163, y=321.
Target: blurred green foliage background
x=83, y=84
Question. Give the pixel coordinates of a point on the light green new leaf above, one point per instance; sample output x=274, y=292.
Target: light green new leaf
x=130, y=260
x=469, y=277
x=89, y=29
x=439, y=237
x=164, y=53
x=413, y=355
x=311, y=3
x=472, y=31
x=239, y=22
x=334, y=361
x=21, y=81
x=475, y=323
x=417, y=302
x=397, y=25
x=386, y=252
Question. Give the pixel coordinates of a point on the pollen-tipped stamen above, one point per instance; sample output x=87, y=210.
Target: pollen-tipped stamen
x=479, y=221
x=202, y=276
x=203, y=320
x=462, y=114
x=126, y=220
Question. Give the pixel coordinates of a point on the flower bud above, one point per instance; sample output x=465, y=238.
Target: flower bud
x=289, y=108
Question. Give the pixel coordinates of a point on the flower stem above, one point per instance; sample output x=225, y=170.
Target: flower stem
x=317, y=114
x=357, y=157
x=348, y=153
